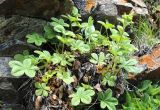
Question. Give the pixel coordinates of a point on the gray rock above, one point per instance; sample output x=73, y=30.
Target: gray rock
x=12, y=47
x=9, y=85
x=37, y=8
x=17, y=27
x=14, y=29
x=4, y=67
x=8, y=94
x=12, y=107
x=106, y=10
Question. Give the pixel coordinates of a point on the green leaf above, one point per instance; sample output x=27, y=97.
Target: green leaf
x=20, y=68
x=79, y=45
x=63, y=59
x=109, y=79
x=36, y=39
x=130, y=66
x=39, y=92
x=82, y=95
x=106, y=100
x=38, y=85
x=98, y=59
x=56, y=22
x=75, y=12
x=42, y=89
x=70, y=33
x=65, y=76
x=44, y=55
x=59, y=28
x=23, y=56
x=75, y=101
x=106, y=24
x=49, y=34
x=95, y=56
x=101, y=58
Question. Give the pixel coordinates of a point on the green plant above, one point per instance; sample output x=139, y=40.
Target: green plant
x=64, y=75
x=109, y=79
x=82, y=95
x=130, y=65
x=106, y=100
x=145, y=97
x=145, y=33
x=36, y=38
x=80, y=46
x=44, y=55
x=20, y=68
x=69, y=40
x=99, y=59
x=63, y=59
x=42, y=89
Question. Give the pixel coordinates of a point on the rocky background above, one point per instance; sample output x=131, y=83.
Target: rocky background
x=21, y=17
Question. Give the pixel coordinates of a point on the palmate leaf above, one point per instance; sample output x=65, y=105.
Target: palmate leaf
x=36, y=39
x=44, y=55
x=20, y=68
x=23, y=56
x=129, y=65
x=106, y=100
x=109, y=79
x=56, y=22
x=79, y=45
x=98, y=58
x=65, y=76
x=42, y=89
x=82, y=95
x=59, y=28
x=49, y=34
x=106, y=24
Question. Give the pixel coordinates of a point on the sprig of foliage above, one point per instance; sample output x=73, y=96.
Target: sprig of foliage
x=146, y=97
x=44, y=55
x=42, y=89
x=69, y=42
x=20, y=68
x=80, y=46
x=36, y=39
x=63, y=59
x=82, y=95
x=106, y=100
x=64, y=75
x=99, y=59
x=109, y=79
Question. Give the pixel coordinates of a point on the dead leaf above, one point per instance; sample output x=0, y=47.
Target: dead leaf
x=158, y=8
x=76, y=65
x=75, y=81
x=141, y=11
x=54, y=97
x=139, y=2
x=98, y=87
x=38, y=103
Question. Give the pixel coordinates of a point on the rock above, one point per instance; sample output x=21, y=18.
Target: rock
x=38, y=8
x=152, y=61
x=138, y=7
x=17, y=27
x=9, y=85
x=14, y=29
x=8, y=94
x=12, y=47
x=12, y=107
x=106, y=10
x=110, y=9
x=4, y=67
